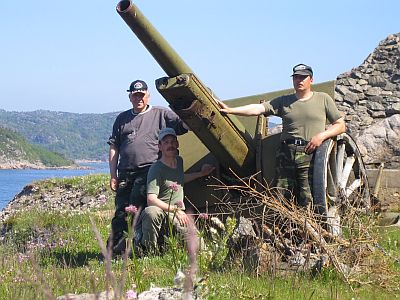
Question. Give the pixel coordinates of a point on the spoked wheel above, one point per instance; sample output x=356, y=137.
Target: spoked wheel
x=339, y=180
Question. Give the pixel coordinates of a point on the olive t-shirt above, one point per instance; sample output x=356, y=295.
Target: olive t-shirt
x=303, y=119
x=166, y=182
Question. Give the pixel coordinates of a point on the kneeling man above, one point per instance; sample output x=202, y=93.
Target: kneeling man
x=165, y=182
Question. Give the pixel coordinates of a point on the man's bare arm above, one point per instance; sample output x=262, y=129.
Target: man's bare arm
x=245, y=110
x=113, y=161
x=334, y=129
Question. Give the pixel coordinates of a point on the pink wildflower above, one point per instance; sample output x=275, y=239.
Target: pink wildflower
x=102, y=198
x=131, y=209
x=131, y=294
x=179, y=204
x=203, y=216
x=174, y=187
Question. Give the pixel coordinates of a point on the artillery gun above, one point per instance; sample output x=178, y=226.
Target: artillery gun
x=242, y=148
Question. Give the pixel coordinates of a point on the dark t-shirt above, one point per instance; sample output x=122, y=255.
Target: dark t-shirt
x=136, y=135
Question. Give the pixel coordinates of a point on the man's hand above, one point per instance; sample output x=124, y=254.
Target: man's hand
x=206, y=169
x=182, y=217
x=224, y=108
x=334, y=129
x=113, y=184
x=315, y=142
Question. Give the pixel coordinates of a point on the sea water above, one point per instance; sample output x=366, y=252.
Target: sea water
x=13, y=181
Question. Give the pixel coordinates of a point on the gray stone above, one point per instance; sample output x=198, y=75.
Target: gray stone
x=374, y=91
x=373, y=105
x=244, y=228
x=377, y=114
x=357, y=75
x=356, y=89
x=377, y=81
x=380, y=141
x=393, y=109
x=390, y=86
x=366, y=121
x=351, y=98
x=385, y=93
x=338, y=97
x=362, y=82
x=342, y=89
x=362, y=102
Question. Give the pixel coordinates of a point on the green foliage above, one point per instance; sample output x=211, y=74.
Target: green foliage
x=71, y=261
x=215, y=236
x=48, y=254
x=15, y=148
x=390, y=239
x=73, y=135
x=89, y=184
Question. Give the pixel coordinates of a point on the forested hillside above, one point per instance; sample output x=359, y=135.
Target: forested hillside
x=15, y=151
x=75, y=136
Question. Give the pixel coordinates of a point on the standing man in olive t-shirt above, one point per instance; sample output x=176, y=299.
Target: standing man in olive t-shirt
x=304, y=115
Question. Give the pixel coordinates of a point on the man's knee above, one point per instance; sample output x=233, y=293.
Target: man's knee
x=152, y=213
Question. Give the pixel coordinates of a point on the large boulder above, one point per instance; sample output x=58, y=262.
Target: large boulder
x=381, y=142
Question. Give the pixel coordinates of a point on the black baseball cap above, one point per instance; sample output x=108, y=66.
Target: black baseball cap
x=138, y=86
x=302, y=69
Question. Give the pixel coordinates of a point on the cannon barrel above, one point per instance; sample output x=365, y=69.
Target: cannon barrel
x=158, y=47
x=224, y=136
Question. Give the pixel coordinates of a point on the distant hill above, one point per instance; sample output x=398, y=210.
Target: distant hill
x=15, y=151
x=75, y=136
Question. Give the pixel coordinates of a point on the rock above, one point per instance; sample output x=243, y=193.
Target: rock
x=377, y=81
x=380, y=141
x=57, y=198
x=153, y=293
x=373, y=91
x=375, y=106
x=393, y=109
x=351, y=98
x=369, y=96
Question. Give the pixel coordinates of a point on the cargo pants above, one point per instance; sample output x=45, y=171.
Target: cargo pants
x=131, y=191
x=153, y=227
x=293, y=175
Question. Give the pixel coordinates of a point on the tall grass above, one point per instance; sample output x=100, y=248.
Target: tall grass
x=45, y=254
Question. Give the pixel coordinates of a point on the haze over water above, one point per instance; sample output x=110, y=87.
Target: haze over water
x=13, y=181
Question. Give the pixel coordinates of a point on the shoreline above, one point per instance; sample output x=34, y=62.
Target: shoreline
x=28, y=166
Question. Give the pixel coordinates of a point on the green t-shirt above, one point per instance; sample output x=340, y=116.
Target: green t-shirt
x=162, y=180
x=303, y=119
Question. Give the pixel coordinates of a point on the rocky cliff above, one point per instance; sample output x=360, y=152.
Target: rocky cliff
x=369, y=96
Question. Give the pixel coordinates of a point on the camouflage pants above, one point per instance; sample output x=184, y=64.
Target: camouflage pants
x=131, y=191
x=294, y=173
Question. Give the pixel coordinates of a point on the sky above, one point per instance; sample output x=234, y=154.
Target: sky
x=80, y=56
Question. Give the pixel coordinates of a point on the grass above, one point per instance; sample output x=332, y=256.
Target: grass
x=66, y=258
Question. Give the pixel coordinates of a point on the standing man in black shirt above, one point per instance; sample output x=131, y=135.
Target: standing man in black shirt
x=133, y=148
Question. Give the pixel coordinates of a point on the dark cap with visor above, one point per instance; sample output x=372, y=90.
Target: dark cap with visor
x=138, y=86
x=302, y=69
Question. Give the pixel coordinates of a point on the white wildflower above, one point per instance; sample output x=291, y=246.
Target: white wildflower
x=218, y=222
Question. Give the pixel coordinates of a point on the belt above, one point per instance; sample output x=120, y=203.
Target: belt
x=133, y=171
x=297, y=142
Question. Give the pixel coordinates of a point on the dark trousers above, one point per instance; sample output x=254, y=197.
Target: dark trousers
x=131, y=191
